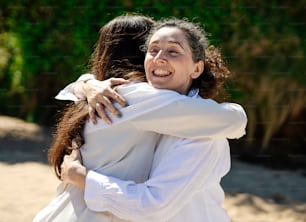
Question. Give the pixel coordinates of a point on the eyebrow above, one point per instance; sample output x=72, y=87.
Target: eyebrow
x=171, y=42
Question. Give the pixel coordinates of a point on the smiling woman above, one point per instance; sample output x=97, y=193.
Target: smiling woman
x=169, y=63
x=177, y=47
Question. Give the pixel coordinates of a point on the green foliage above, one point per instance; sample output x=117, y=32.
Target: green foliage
x=267, y=57
x=11, y=62
x=45, y=44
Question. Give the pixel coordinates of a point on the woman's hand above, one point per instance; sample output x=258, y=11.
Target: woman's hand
x=72, y=170
x=99, y=95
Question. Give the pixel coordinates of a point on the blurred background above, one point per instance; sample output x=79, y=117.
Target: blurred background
x=46, y=44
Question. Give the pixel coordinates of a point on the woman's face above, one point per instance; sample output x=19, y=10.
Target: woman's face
x=168, y=62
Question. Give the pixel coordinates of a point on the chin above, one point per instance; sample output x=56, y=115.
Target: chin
x=159, y=86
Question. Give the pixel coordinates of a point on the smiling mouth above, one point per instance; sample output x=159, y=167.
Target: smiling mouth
x=161, y=73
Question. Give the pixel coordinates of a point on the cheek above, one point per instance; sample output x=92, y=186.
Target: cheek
x=183, y=70
x=184, y=78
x=146, y=66
x=147, y=62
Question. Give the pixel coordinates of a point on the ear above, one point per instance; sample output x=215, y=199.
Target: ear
x=199, y=68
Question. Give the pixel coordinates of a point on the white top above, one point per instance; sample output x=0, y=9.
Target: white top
x=127, y=146
x=184, y=185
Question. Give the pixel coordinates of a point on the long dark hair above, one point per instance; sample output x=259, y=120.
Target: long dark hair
x=117, y=54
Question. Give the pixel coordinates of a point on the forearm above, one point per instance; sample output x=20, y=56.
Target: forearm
x=196, y=118
x=125, y=199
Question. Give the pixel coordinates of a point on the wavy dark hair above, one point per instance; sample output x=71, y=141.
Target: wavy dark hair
x=211, y=82
x=117, y=54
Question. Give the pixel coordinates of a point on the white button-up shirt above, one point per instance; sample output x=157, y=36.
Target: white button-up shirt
x=184, y=185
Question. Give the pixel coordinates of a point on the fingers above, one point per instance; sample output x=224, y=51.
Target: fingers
x=92, y=114
x=103, y=103
x=106, y=99
x=63, y=178
x=111, y=93
x=62, y=172
x=101, y=112
x=101, y=100
x=96, y=106
x=64, y=183
x=118, y=81
x=116, y=97
x=76, y=155
x=74, y=144
x=106, y=102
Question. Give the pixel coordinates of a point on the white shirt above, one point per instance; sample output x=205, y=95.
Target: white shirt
x=125, y=149
x=184, y=185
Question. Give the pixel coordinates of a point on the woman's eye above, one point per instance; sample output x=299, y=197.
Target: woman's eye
x=154, y=51
x=173, y=52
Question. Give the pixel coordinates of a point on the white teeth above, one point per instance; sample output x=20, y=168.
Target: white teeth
x=161, y=72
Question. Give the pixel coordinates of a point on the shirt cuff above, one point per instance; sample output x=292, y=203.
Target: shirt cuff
x=95, y=184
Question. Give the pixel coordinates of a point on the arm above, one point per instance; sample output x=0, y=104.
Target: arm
x=87, y=87
x=195, y=118
x=169, y=188
x=167, y=112
x=184, y=117
x=98, y=94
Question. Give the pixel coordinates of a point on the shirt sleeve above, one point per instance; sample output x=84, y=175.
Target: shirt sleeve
x=68, y=94
x=194, y=118
x=179, y=175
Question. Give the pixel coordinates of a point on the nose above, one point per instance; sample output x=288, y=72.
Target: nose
x=160, y=57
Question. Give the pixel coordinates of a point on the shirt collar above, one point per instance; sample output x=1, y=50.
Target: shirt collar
x=193, y=93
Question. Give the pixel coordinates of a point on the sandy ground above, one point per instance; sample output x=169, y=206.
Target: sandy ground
x=253, y=193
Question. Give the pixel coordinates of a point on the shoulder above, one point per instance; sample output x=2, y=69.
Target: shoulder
x=135, y=92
